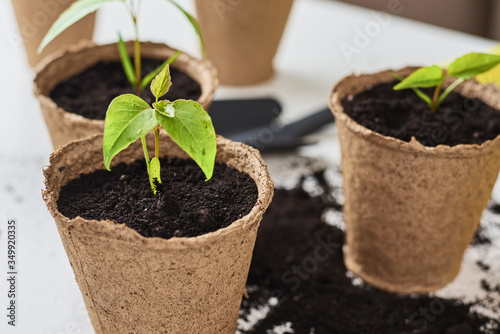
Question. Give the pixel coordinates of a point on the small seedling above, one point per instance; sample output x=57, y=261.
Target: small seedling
x=129, y=118
x=81, y=8
x=463, y=68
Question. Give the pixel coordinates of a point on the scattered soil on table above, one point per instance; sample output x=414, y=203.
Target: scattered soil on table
x=480, y=238
x=89, y=93
x=186, y=205
x=495, y=207
x=298, y=262
x=401, y=114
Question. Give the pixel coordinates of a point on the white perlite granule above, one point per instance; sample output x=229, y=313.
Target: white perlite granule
x=312, y=186
x=334, y=179
x=255, y=315
x=286, y=171
x=286, y=328
x=355, y=281
x=334, y=218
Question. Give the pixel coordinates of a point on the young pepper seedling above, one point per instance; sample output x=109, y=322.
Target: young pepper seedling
x=463, y=68
x=81, y=8
x=130, y=118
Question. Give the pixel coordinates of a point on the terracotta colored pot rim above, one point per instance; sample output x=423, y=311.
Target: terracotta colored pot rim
x=106, y=229
x=340, y=91
x=208, y=87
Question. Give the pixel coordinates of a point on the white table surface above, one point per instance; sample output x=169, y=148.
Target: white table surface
x=308, y=64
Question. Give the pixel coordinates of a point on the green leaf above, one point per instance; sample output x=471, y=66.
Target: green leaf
x=427, y=99
x=396, y=76
x=73, y=14
x=417, y=91
x=166, y=108
x=194, y=23
x=473, y=64
x=154, y=173
x=128, y=118
x=126, y=62
x=161, y=83
x=192, y=130
x=148, y=78
x=424, y=77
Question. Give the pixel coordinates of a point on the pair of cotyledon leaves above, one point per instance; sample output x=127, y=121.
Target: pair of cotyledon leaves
x=129, y=118
x=463, y=68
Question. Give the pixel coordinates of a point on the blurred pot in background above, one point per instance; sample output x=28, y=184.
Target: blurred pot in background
x=65, y=125
x=34, y=19
x=242, y=37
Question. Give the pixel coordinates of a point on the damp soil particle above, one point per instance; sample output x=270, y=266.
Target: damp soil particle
x=186, y=205
x=480, y=238
x=495, y=207
x=402, y=115
x=89, y=93
x=298, y=259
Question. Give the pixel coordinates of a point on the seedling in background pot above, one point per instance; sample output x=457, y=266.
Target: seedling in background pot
x=129, y=118
x=463, y=68
x=81, y=8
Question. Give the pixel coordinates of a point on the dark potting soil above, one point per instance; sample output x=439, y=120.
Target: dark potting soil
x=89, y=93
x=186, y=205
x=298, y=259
x=401, y=114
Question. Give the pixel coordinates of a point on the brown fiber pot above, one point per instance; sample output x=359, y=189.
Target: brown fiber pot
x=242, y=36
x=64, y=126
x=133, y=284
x=410, y=210
x=34, y=19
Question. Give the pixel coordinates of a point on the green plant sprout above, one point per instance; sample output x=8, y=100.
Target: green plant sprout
x=129, y=118
x=463, y=68
x=81, y=8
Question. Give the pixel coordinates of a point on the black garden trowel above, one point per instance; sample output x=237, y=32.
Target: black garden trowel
x=256, y=122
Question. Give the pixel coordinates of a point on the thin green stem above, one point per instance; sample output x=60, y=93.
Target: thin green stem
x=417, y=91
x=157, y=141
x=130, y=7
x=449, y=89
x=137, y=59
x=148, y=162
x=157, y=138
x=138, y=10
x=423, y=96
x=137, y=47
x=435, y=97
x=145, y=149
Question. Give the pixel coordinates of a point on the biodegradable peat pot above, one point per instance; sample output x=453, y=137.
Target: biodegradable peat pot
x=242, y=37
x=410, y=210
x=133, y=284
x=34, y=19
x=64, y=126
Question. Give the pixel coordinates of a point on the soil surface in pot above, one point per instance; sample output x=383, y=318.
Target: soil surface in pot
x=403, y=115
x=89, y=93
x=298, y=282
x=186, y=205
